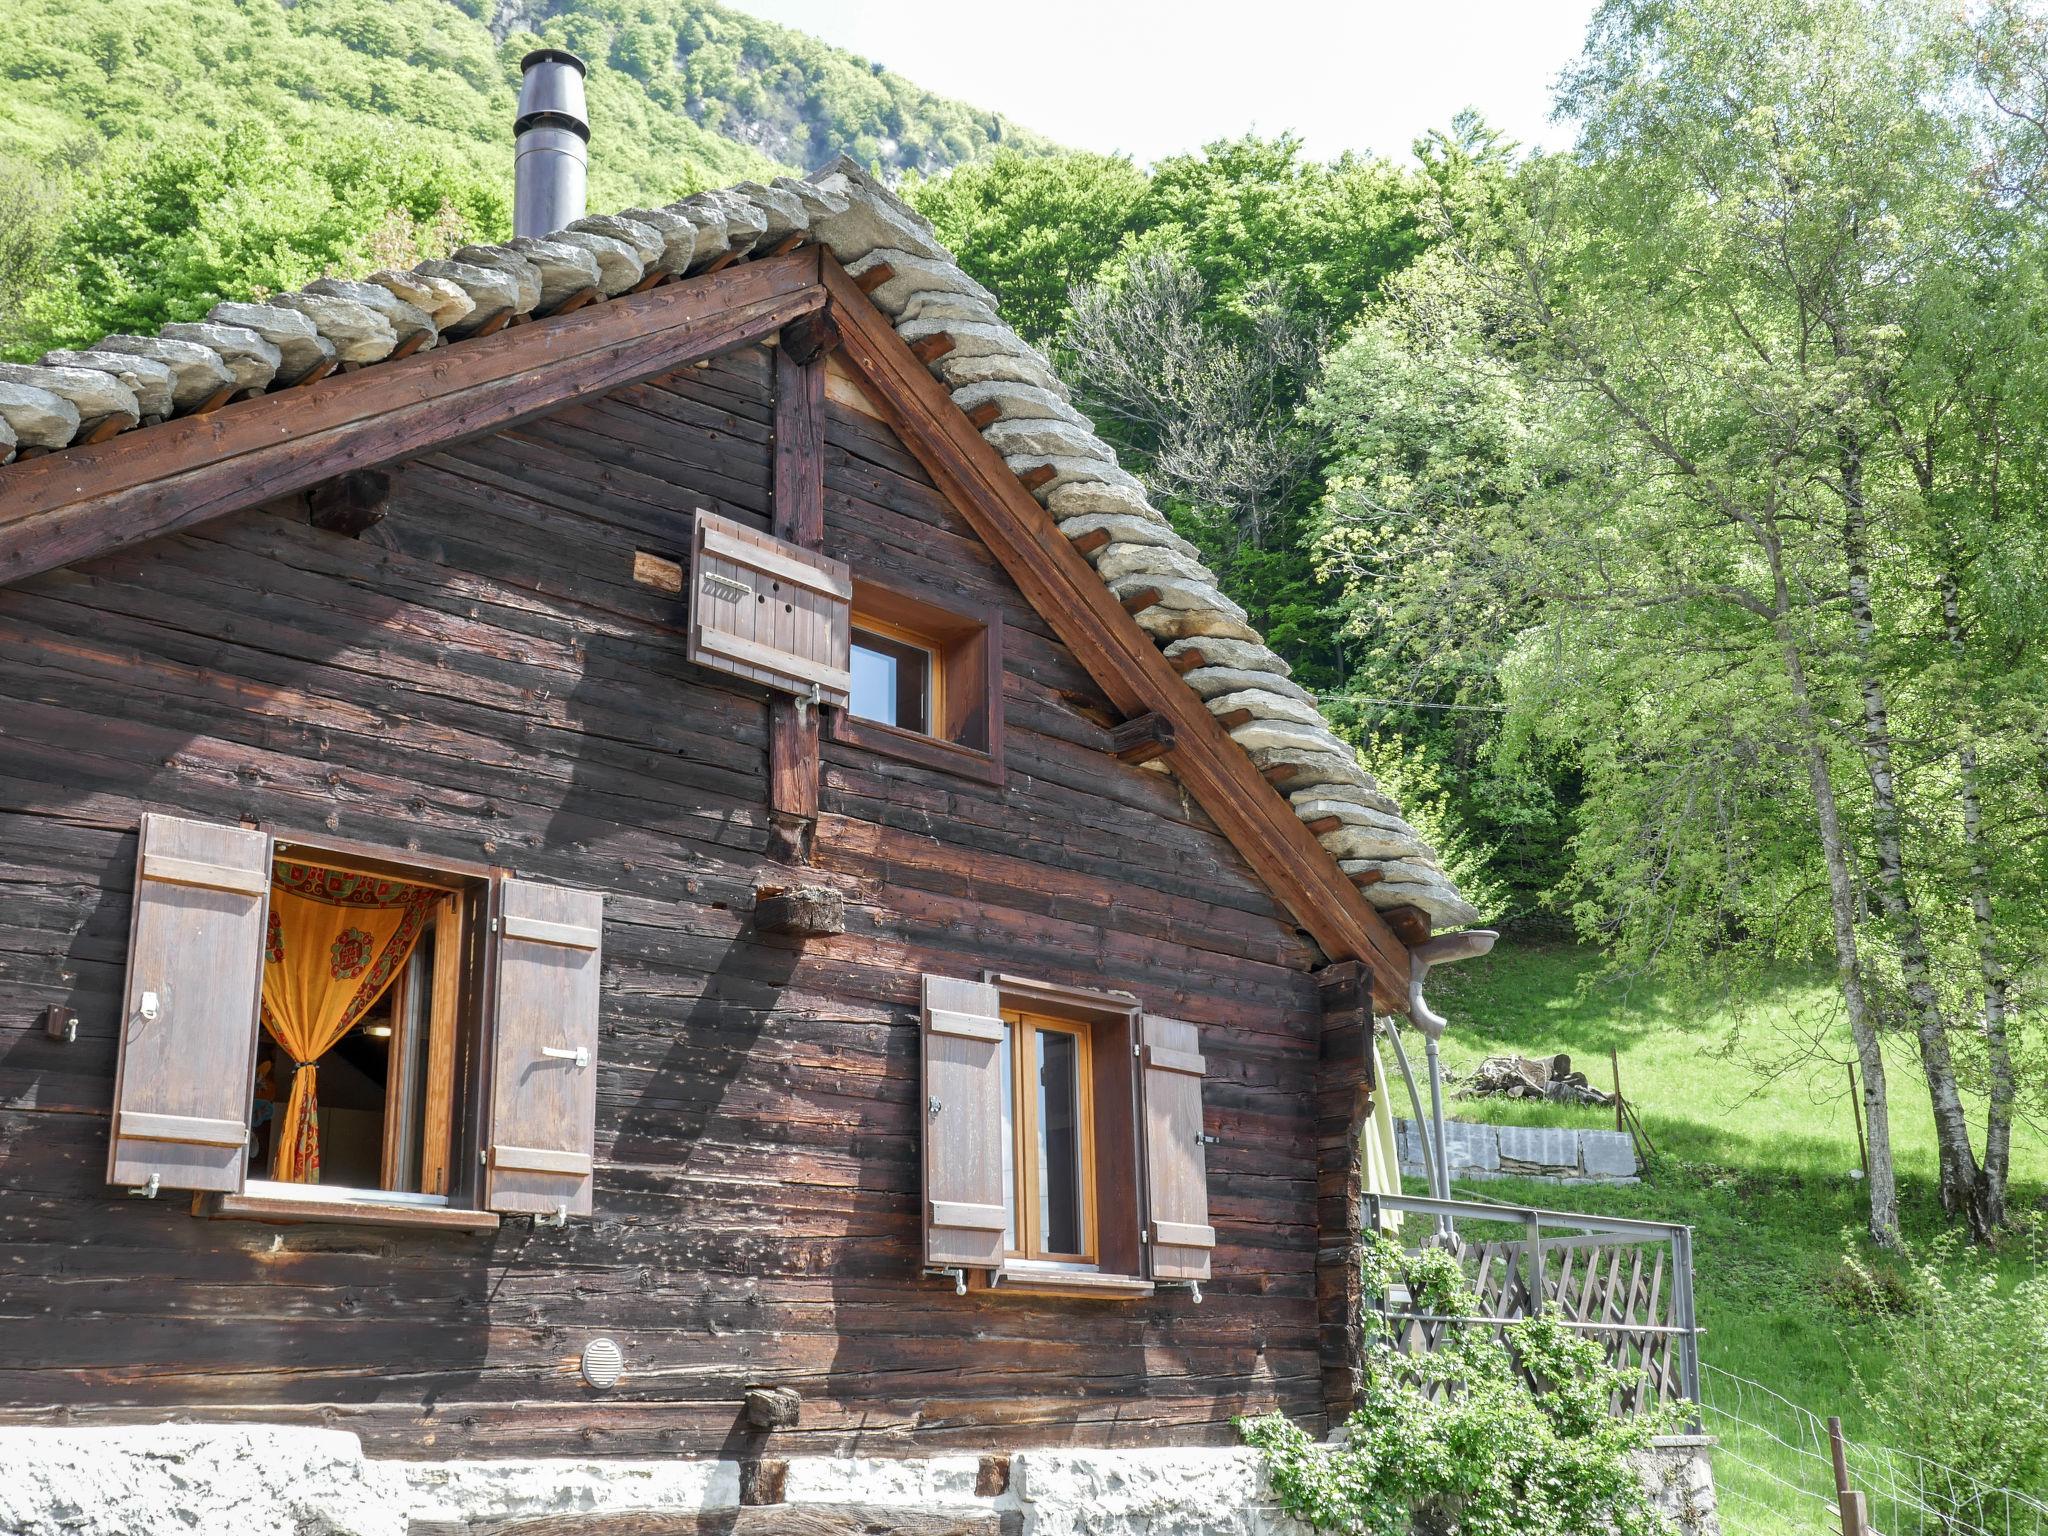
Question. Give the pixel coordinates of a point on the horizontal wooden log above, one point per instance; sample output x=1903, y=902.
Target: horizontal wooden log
x=157, y=479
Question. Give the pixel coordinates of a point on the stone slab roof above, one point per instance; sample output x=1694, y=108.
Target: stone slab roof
x=123, y=382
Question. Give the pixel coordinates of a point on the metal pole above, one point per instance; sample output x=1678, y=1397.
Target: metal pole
x=1436, y=1117
x=1415, y=1103
x=1684, y=1315
x=1535, y=1230
x=1620, y=1113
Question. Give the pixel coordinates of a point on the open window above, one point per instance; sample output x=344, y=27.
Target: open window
x=1063, y=1148
x=323, y=1031
x=925, y=683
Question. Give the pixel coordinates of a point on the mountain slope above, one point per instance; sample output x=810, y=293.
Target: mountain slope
x=684, y=94
x=157, y=156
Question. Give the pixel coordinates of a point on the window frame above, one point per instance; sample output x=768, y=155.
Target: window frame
x=1025, y=1026
x=474, y=888
x=1116, y=1199
x=966, y=693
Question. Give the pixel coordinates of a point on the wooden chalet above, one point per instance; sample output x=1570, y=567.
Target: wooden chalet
x=636, y=844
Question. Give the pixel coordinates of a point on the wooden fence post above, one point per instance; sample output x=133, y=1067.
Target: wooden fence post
x=1855, y=1510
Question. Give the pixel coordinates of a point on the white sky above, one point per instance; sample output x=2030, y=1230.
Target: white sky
x=1149, y=78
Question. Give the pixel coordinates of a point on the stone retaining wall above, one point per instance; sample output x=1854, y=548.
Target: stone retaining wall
x=1479, y=1151
x=256, y=1480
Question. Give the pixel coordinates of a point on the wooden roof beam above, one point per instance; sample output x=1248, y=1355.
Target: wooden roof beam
x=142, y=484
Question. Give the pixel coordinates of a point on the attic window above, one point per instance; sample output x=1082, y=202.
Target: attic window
x=895, y=678
x=927, y=683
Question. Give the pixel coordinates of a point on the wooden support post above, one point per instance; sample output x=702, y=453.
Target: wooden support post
x=806, y=340
x=799, y=516
x=1142, y=739
x=804, y=912
x=1344, y=1090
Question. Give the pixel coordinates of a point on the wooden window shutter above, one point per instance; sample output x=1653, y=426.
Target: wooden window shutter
x=1176, y=1171
x=540, y=1133
x=185, y=1073
x=771, y=611
x=964, y=1041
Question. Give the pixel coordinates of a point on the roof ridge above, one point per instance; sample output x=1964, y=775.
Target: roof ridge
x=1016, y=401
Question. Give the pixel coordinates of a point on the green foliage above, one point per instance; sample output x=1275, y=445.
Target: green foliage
x=1031, y=227
x=1965, y=1369
x=222, y=147
x=164, y=231
x=1457, y=1441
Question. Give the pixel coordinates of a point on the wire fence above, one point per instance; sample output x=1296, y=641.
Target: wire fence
x=1774, y=1472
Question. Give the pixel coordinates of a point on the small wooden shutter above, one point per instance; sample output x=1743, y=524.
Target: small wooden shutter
x=185, y=1075
x=964, y=1040
x=1176, y=1171
x=540, y=1135
x=766, y=609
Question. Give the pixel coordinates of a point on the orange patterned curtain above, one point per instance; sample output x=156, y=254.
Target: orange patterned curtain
x=336, y=941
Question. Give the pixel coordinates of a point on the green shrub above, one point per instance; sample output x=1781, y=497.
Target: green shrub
x=1457, y=1441
x=1965, y=1372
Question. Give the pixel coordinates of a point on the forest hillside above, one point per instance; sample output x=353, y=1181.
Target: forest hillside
x=159, y=153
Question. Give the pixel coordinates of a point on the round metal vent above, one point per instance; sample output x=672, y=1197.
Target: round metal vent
x=603, y=1363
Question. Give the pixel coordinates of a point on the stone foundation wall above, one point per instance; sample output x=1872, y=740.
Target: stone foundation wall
x=1563, y=1155
x=258, y=1481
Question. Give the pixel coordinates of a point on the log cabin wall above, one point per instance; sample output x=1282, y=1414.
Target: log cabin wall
x=479, y=678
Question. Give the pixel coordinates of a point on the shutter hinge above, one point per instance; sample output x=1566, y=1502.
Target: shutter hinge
x=494, y=925
x=1204, y=1139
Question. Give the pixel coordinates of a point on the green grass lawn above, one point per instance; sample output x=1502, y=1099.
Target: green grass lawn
x=1760, y=1165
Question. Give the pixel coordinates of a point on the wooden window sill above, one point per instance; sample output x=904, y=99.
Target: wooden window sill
x=1070, y=1282
x=344, y=1213
x=916, y=747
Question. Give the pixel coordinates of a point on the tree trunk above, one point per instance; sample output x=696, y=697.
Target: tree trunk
x=1959, y=1174
x=1992, y=1177
x=1884, y=1191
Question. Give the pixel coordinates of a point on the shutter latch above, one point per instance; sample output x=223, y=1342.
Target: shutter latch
x=148, y=1191
x=560, y=1218
x=580, y=1055
x=934, y=1109
x=1204, y=1139
x=149, y=1007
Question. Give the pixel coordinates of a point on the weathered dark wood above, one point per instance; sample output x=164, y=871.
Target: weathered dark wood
x=808, y=912
x=773, y=1407
x=808, y=340
x=799, y=516
x=1344, y=1090
x=1121, y=659
x=486, y=682
x=1141, y=740
x=1411, y=923
x=90, y=500
x=349, y=504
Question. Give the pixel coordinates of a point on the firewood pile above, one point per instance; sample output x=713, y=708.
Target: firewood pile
x=1527, y=1077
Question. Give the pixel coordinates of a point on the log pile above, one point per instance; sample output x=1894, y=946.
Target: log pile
x=1530, y=1077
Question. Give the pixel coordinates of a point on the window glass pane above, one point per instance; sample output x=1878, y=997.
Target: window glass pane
x=1059, y=1142
x=891, y=682
x=1009, y=1137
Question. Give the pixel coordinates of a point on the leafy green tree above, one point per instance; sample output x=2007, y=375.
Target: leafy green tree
x=1030, y=228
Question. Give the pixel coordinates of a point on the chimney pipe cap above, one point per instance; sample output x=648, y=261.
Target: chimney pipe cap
x=549, y=95
x=553, y=56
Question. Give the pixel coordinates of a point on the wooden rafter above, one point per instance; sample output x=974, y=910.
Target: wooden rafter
x=90, y=501
x=1119, y=655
